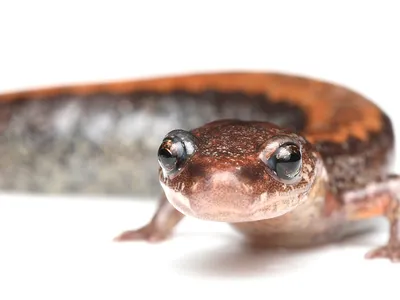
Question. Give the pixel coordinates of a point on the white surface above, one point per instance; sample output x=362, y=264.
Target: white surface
x=58, y=248
x=61, y=248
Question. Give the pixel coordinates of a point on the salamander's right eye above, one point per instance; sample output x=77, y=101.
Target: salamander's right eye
x=285, y=162
x=176, y=148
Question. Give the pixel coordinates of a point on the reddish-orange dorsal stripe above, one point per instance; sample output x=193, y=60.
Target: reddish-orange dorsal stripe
x=334, y=112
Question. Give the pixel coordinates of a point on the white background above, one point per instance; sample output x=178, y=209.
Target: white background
x=58, y=248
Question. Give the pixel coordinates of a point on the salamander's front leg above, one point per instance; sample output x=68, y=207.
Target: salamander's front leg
x=392, y=249
x=379, y=199
x=159, y=228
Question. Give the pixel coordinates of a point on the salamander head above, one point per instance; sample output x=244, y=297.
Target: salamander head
x=236, y=171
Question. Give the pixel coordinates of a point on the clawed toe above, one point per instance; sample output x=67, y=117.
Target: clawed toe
x=148, y=233
x=388, y=252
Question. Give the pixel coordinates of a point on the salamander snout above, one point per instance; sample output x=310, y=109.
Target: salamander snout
x=236, y=171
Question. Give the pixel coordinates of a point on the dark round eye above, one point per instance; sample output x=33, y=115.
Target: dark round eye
x=176, y=148
x=285, y=162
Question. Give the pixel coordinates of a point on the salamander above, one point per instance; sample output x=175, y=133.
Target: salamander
x=287, y=160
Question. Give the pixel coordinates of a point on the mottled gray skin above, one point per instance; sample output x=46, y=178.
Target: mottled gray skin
x=107, y=144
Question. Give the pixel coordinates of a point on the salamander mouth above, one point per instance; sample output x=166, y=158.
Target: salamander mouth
x=234, y=206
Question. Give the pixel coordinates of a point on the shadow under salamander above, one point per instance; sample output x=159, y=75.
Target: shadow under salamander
x=236, y=258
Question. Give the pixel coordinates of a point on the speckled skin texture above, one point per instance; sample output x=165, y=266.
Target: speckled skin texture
x=227, y=181
x=103, y=139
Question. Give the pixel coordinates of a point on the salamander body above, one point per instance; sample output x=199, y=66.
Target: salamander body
x=286, y=160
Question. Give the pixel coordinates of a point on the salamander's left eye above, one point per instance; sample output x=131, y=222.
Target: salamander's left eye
x=285, y=162
x=176, y=148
